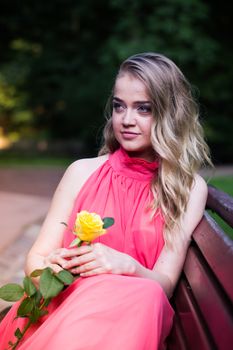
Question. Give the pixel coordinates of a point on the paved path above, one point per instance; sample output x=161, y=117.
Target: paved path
x=222, y=170
x=25, y=196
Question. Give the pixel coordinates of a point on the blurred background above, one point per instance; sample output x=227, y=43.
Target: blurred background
x=58, y=60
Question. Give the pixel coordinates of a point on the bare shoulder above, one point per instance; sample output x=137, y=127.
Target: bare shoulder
x=199, y=188
x=87, y=164
x=196, y=205
x=171, y=259
x=80, y=170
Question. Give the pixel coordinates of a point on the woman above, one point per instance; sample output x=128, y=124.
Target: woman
x=146, y=178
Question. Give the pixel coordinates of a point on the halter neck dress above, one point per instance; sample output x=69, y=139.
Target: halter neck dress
x=109, y=312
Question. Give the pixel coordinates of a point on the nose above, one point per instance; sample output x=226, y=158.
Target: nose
x=128, y=117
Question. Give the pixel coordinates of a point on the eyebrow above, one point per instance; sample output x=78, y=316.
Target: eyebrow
x=135, y=102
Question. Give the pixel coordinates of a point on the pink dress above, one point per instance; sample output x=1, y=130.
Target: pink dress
x=109, y=312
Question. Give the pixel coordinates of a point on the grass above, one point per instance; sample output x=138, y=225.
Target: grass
x=224, y=183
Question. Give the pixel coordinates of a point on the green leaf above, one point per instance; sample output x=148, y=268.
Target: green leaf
x=43, y=313
x=108, y=222
x=25, y=307
x=47, y=301
x=50, y=286
x=11, y=292
x=36, y=273
x=37, y=298
x=18, y=334
x=65, y=276
x=35, y=315
x=29, y=286
x=75, y=242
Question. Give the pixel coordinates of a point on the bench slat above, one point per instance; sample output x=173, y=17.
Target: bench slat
x=177, y=340
x=221, y=203
x=195, y=331
x=203, y=299
x=217, y=248
x=215, y=308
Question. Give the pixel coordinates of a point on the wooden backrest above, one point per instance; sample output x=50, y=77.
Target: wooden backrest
x=203, y=299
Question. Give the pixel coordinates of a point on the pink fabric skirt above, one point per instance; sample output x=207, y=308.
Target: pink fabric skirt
x=105, y=312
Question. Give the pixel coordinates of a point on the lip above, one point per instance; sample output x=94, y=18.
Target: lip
x=129, y=135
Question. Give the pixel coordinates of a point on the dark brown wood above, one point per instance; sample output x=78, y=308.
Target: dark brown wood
x=203, y=299
x=221, y=203
x=217, y=248
x=177, y=340
x=214, y=305
x=195, y=332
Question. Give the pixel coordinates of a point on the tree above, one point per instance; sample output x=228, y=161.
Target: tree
x=68, y=53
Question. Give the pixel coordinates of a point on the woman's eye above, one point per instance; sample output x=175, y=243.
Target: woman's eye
x=144, y=109
x=117, y=107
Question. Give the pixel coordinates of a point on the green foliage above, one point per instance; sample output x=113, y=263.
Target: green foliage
x=25, y=307
x=11, y=292
x=35, y=301
x=65, y=277
x=50, y=285
x=36, y=273
x=57, y=66
x=18, y=334
x=76, y=242
x=223, y=183
x=108, y=222
x=29, y=286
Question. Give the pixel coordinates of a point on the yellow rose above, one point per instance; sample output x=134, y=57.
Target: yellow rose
x=88, y=226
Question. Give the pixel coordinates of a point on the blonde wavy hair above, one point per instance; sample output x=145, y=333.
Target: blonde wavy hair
x=176, y=135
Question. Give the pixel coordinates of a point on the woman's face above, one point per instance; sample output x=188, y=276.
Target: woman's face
x=132, y=117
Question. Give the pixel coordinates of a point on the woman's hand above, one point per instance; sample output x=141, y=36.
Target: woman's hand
x=56, y=260
x=95, y=259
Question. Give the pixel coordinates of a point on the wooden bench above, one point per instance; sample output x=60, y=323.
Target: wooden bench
x=203, y=299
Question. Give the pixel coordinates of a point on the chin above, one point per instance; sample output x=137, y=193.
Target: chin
x=147, y=154
x=133, y=147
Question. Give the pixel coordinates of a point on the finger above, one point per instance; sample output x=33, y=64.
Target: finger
x=86, y=267
x=83, y=259
x=56, y=259
x=97, y=271
x=69, y=253
x=55, y=268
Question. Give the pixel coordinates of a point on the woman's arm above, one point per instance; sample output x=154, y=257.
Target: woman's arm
x=47, y=250
x=168, y=267
x=171, y=260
